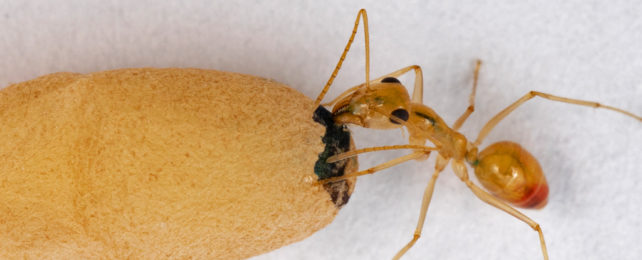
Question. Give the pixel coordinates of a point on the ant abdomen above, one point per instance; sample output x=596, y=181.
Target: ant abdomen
x=511, y=173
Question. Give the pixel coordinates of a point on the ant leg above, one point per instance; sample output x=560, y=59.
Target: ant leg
x=459, y=168
x=425, y=202
x=362, y=14
x=471, y=99
x=501, y=115
x=376, y=168
x=418, y=84
x=349, y=154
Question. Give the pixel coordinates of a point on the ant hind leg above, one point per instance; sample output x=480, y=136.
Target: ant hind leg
x=501, y=115
x=459, y=168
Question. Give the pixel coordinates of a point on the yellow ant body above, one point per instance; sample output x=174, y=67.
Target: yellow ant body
x=508, y=172
x=20, y=64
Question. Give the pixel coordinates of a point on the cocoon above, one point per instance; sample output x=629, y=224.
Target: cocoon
x=159, y=163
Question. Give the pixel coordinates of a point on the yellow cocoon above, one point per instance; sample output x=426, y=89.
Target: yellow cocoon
x=157, y=163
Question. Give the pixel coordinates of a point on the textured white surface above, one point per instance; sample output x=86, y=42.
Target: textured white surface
x=583, y=49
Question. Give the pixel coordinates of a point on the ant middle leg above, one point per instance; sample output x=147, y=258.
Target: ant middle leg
x=440, y=164
x=471, y=99
x=501, y=115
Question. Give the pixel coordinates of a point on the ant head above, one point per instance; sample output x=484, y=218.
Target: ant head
x=383, y=105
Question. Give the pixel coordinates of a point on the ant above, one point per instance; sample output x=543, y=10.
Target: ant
x=507, y=171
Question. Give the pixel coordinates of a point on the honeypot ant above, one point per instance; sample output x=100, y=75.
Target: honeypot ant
x=508, y=172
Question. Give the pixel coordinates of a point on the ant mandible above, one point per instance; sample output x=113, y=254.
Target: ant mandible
x=510, y=174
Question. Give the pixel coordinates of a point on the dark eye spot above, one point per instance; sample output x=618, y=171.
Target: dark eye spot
x=390, y=80
x=401, y=114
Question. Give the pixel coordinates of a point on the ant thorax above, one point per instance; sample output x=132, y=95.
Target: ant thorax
x=425, y=125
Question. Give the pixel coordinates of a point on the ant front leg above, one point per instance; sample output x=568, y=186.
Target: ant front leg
x=419, y=152
x=459, y=167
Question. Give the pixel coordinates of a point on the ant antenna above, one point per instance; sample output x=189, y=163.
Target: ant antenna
x=364, y=15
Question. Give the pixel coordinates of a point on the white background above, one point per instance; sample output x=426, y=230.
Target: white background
x=582, y=49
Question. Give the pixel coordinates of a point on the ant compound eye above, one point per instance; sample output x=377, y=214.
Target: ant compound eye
x=390, y=80
x=399, y=113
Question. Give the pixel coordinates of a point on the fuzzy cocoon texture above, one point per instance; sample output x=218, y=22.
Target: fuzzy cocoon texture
x=157, y=163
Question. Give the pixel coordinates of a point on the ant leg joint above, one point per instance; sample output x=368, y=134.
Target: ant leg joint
x=537, y=228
